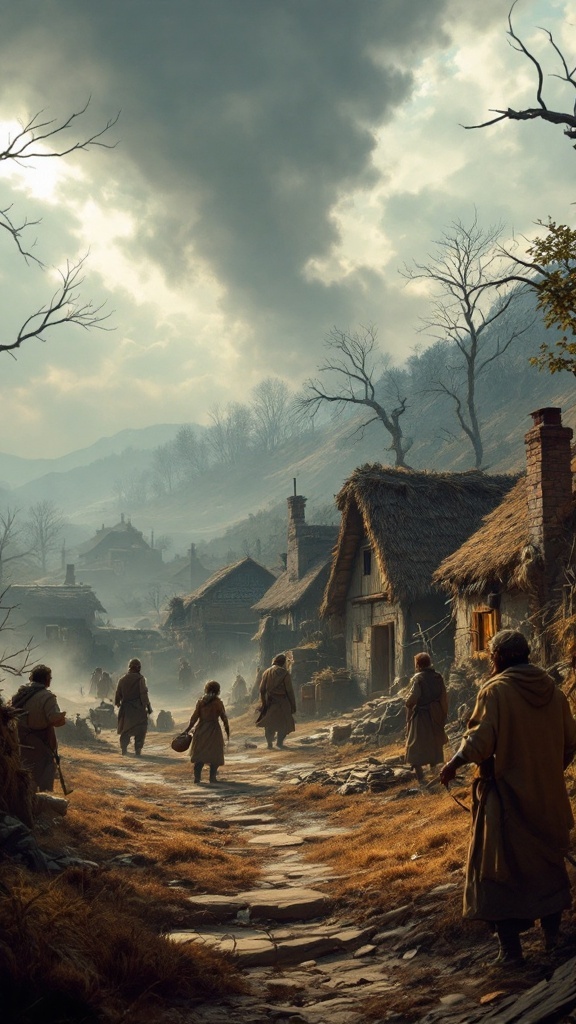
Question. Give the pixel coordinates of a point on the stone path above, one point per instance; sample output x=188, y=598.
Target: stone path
x=305, y=963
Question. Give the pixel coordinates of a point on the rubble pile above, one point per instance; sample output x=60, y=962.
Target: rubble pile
x=366, y=776
x=379, y=719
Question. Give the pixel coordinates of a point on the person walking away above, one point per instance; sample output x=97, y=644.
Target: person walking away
x=207, y=739
x=94, y=681
x=185, y=675
x=239, y=691
x=523, y=736
x=427, y=712
x=278, y=704
x=134, y=707
x=105, y=686
x=39, y=717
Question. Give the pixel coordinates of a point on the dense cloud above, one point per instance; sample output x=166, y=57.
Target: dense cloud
x=245, y=121
x=277, y=161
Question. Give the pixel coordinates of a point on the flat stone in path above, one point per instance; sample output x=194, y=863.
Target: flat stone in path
x=290, y=904
x=276, y=839
x=259, y=949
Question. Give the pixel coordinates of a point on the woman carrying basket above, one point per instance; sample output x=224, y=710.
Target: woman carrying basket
x=207, y=740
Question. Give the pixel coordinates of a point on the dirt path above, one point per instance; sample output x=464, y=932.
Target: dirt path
x=305, y=959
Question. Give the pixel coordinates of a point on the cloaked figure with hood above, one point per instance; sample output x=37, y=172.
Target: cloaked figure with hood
x=277, y=702
x=523, y=736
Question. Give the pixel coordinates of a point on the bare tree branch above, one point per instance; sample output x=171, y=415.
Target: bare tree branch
x=27, y=144
x=541, y=112
x=65, y=307
x=465, y=269
x=350, y=374
x=45, y=138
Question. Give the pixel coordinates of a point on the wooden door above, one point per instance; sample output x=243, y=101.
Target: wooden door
x=382, y=661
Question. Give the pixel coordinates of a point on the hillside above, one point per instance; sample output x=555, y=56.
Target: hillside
x=240, y=508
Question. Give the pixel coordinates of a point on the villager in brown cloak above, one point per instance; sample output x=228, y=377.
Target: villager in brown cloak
x=134, y=707
x=427, y=711
x=39, y=716
x=278, y=704
x=522, y=735
x=207, y=739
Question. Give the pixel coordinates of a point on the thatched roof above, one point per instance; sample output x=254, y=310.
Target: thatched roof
x=286, y=593
x=498, y=554
x=412, y=520
x=225, y=574
x=39, y=602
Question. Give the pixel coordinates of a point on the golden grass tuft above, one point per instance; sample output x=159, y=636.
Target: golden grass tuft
x=56, y=940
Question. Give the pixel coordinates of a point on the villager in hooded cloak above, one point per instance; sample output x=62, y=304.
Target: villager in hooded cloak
x=207, y=739
x=278, y=704
x=427, y=711
x=39, y=715
x=134, y=707
x=522, y=735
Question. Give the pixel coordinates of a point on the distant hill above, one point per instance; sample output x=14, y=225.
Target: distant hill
x=231, y=510
x=15, y=471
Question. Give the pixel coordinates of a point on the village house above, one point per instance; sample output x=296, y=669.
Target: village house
x=293, y=600
x=397, y=526
x=511, y=572
x=55, y=619
x=121, y=548
x=216, y=621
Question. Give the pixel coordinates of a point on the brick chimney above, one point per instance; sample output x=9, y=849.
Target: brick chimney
x=295, y=563
x=70, y=580
x=549, y=487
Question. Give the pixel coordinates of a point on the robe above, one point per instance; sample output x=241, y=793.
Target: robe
x=278, y=701
x=427, y=705
x=207, y=739
x=522, y=735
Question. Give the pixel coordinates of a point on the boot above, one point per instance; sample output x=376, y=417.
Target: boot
x=509, y=946
x=213, y=774
x=419, y=772
x=198, y=766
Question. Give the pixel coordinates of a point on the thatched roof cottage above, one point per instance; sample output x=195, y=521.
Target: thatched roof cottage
x=216, y=621
x=294, y=598
x=509, y=573
x=397, y=527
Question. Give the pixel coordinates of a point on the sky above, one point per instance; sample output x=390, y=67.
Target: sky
x=276, y=164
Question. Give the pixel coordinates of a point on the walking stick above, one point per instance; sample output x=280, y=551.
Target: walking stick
x=65, y=789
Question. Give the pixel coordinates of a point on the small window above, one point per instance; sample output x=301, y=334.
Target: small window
x=485, y=623
x=367, y=562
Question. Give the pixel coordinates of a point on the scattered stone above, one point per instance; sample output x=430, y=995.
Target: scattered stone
x=452, y=998
x=250, y=746
x=491, y=997
x=410, y=954
x=365, y=951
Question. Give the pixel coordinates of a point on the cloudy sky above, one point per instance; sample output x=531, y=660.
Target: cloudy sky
x=277, y=161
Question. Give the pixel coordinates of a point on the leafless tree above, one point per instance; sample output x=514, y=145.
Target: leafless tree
x=12, y=662
x=190, y=453
x=43, y=528
x=9, y=531
x=41, y=138
x=270, y=409
x=350, y=376
x=473, y=292
x=230, y=435
x=542, y=111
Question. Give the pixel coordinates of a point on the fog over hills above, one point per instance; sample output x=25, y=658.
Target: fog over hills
x=222, y=505
x=15, y=471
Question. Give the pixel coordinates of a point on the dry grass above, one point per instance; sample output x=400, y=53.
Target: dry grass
x=88, y=944
x=62, y=943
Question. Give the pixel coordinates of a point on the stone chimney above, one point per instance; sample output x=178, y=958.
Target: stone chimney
x=70, y=580
x=295, y=563
x=549, y=487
